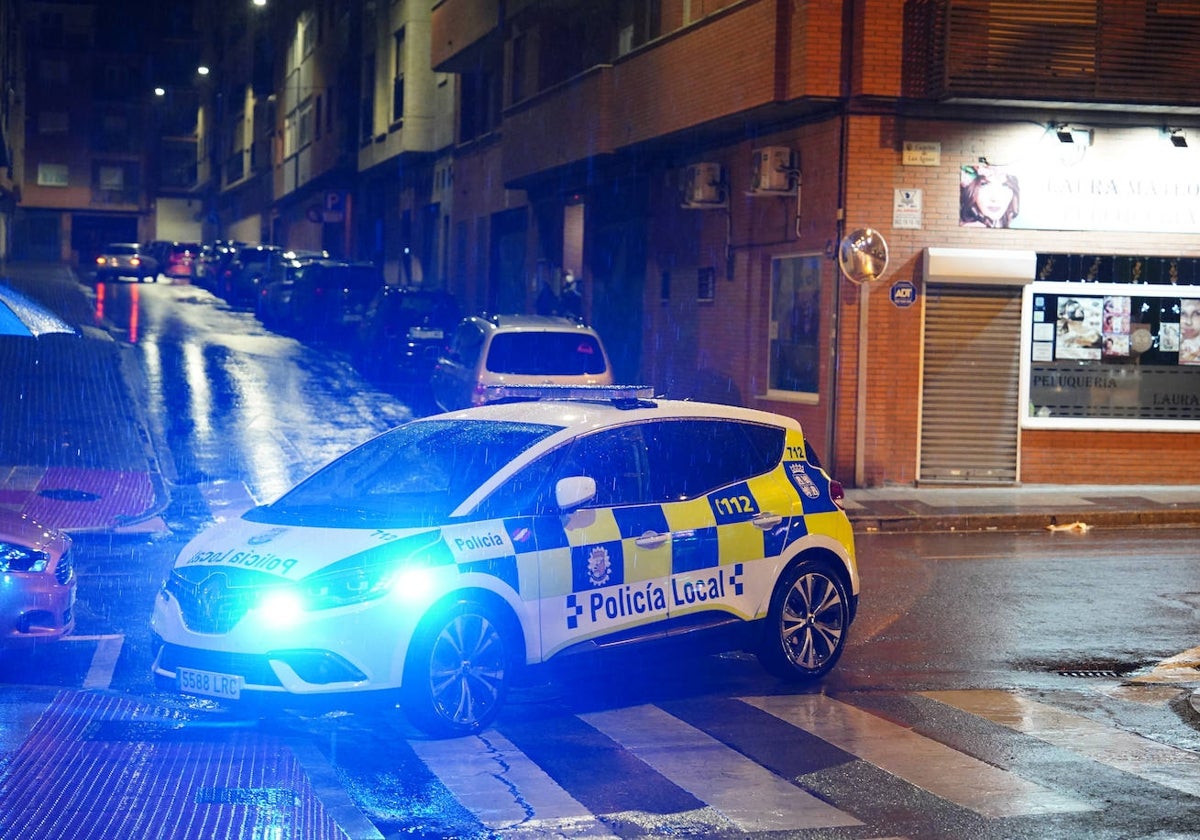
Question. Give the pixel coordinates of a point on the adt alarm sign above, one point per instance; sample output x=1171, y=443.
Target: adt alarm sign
x=904, y=293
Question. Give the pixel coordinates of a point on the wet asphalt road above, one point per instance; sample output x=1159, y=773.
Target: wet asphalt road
x=239, y=414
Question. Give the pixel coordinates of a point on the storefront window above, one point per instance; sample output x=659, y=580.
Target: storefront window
x=1111, y=356
x=795, y=324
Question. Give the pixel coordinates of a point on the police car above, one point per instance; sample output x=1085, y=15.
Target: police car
x=434, y=561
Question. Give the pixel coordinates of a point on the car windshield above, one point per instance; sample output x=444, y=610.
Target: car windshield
x=415, y=475
x=545, y=353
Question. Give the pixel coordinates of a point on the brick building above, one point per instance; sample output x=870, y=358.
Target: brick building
x=703, y=167
x=699, y=165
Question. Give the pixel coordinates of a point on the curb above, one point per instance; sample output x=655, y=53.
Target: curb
x=865, y=522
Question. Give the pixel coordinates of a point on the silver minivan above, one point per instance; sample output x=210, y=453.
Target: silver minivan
x=516, y=350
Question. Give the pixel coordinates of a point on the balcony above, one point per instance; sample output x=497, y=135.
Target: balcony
x=1085, y=52
x=665, y=89
x=460, y=29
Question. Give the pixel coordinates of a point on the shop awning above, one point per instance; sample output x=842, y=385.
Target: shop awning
x=980, y=266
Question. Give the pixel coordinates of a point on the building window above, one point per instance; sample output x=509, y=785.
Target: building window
x=308, y=33
x=519, y=68
x=706, y=285
x=479, y=104
x=110, y=178
x=398, y=77
x=795, y=324
x=367, y=105
x=305, y=121
x=52, y=175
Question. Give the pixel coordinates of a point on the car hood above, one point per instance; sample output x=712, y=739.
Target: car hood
x=19, y=528
x=290, y=552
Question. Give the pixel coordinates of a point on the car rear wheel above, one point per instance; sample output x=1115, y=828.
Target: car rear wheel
x=807, y=623
x=458, y=669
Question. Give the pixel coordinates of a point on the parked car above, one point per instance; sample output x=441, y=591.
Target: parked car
x=403, y=332
x=125, y=259
x=434, y=562
x=214, y=258
x=179, y=260
x=37, y=581
x=273, y=305
x=516, y=350
x=329, y=298
x=239, y=281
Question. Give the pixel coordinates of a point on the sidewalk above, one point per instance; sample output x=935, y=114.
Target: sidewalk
x=74, y=452
x=1033, y=507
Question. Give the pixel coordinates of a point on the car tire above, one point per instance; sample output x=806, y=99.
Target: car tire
x=458, y=669
x=807, y=623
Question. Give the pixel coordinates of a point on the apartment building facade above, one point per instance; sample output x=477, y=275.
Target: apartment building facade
x=703, y=168
x=699, y=165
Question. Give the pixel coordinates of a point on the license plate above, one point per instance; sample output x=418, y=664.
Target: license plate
x=209, y=684
x=422, y=332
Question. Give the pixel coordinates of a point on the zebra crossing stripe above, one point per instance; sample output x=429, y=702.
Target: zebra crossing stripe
x=1159, y=763
x=507, y=792
x=739, y=789
x=943, y=771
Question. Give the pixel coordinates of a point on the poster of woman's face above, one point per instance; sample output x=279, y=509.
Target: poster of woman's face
x=1078, y=334
x=988, y=197
x=1189, y=331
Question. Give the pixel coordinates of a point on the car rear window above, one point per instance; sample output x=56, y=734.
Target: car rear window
x=545, y=354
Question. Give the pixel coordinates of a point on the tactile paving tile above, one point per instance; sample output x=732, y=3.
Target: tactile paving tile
x=98, y=766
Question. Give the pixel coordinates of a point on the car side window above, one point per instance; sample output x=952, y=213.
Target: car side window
x=689, y=458
x=616, y=459
x=530, y=492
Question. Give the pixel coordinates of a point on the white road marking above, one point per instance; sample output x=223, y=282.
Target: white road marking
x=741, y=790
x=504, y=789
x=932, y=766
x=104, y=660
x=1159, y=763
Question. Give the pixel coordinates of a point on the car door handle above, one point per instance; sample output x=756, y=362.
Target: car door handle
x=651, y=539
x=766, y=520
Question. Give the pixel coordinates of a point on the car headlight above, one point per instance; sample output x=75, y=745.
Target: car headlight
x=401, y=568
x=19, y=558
x=349, y=582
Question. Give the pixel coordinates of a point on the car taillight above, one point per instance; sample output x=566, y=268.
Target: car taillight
x=135, y=261
x=837, y=492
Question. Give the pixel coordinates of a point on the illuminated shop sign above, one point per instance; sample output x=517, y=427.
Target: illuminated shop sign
x=1110, y=356
x=1112, y=180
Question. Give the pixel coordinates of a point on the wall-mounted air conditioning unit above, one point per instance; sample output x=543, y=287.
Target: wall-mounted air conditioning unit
x=704, y=186
x=773, y=171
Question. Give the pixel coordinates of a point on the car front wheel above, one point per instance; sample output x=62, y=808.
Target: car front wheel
x=807, y=623
x=458, y=669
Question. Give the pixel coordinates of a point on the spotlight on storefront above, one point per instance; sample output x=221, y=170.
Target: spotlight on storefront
x=1178, y=137
x=1073, y=136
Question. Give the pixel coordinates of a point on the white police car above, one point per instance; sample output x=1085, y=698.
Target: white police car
x=433, y=561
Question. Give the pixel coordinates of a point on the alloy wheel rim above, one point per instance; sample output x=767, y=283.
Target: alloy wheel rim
x=467, y=669
x=813, y=621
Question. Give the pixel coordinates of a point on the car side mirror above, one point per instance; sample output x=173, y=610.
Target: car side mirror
x=573, y=491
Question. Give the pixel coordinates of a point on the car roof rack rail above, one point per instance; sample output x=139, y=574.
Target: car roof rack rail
x=621, y=396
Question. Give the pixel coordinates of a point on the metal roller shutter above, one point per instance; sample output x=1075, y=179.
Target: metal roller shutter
x=970, y=386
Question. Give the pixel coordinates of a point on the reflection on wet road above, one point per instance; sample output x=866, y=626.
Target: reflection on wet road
x=234, y=401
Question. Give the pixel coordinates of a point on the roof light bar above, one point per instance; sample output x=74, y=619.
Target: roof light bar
x=614, y=393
